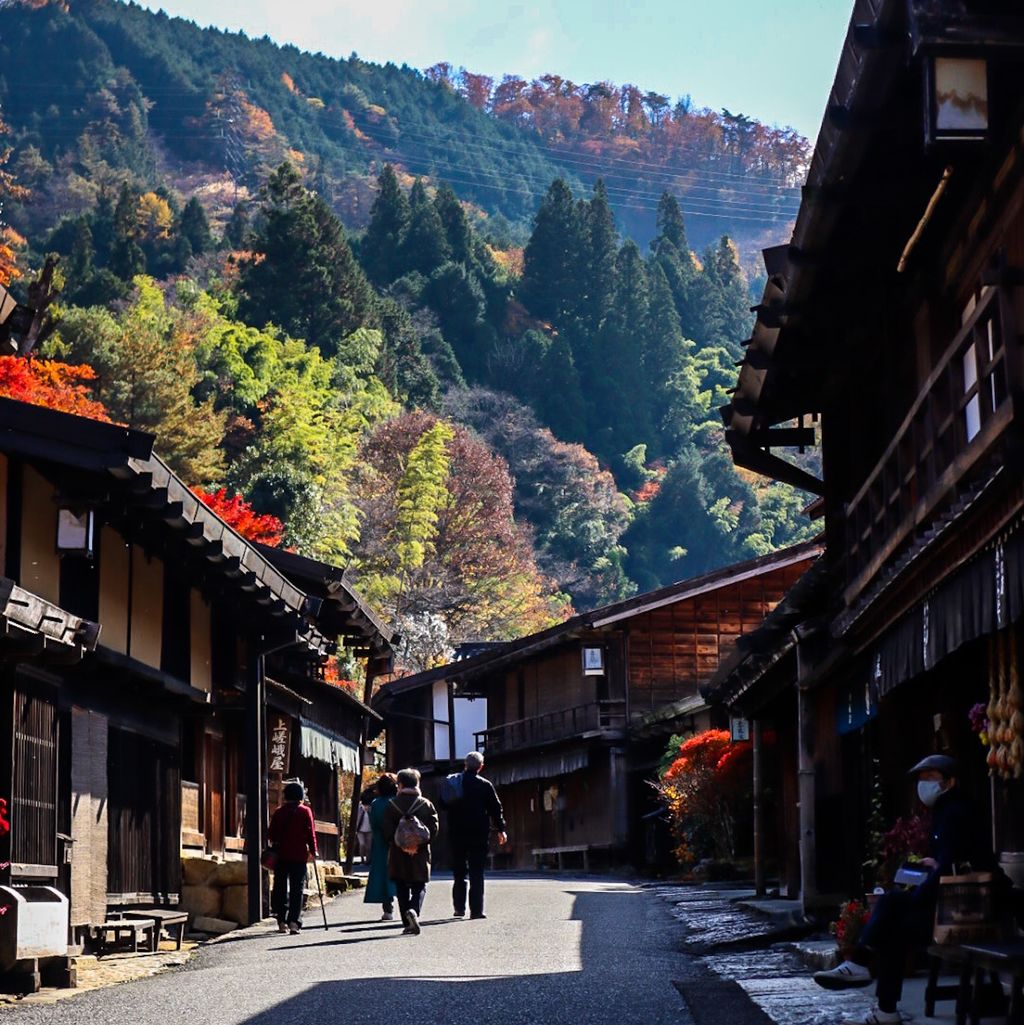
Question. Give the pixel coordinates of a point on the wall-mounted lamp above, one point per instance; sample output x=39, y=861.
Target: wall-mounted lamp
x=956, y=99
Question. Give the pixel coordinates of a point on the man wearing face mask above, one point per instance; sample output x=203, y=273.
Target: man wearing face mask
x=904, y=919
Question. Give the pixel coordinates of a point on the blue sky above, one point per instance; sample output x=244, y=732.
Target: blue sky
x=773, y=59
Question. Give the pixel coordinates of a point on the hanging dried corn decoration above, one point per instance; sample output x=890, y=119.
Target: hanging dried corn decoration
x=1015, y=714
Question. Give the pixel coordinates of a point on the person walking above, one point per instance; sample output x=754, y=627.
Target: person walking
x=410, y=825
x=473, y=808
x=364, y=831
x=292, y=833
x=379, y=887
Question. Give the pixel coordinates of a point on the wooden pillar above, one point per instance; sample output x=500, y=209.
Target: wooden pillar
x=453, y=755
x=805, y=780
x=357, y=784
x=758, y=809
x=255, y=804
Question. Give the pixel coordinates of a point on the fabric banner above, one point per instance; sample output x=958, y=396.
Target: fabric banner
x=324, y=746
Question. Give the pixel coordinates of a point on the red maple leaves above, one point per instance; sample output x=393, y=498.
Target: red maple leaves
x=237, y=513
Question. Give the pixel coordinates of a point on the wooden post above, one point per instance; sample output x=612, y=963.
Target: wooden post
x=357, y=784
x=453, y=755
x=255, y=809
x=805, y=784
x=759, y=880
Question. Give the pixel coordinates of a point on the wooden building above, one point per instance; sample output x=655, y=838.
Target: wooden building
x=576, y=717
x=152, y=743
x=890, y=332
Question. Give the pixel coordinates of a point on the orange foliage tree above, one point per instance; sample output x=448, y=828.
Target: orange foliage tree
x=46, y=382
x=237, y=513
x=703, y=787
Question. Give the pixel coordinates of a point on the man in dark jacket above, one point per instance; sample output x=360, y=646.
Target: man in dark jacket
x=904, y=919
x=470, y=818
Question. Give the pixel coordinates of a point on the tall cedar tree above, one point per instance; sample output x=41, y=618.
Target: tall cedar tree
x=601, y=250
x=425, y=246
x=302, y=277
x=456, y=225
x=550, y=287
x=560, y=403
x=671, y=226
x=126, y=257
x=193, y=226
x=726, y=298
x=389, y=219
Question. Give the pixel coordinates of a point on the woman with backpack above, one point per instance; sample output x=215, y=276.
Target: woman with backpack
x=410, y=824
x=379, y=887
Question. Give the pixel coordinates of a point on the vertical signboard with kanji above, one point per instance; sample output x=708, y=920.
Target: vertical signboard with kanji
x=280, y=744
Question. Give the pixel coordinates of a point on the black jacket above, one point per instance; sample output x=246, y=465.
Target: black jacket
x=470, y=819
x=958, y=837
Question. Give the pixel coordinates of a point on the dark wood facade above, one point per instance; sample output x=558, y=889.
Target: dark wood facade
x=893, y=319
x=571, y=742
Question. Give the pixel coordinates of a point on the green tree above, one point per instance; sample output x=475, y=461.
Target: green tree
x=598, y=268
x=421, y=495
x=456, y=225
x=725, y=307
x=126, y=256
x=389, y=220
x=550, y=287
x=424, y=245
x=193, y=226
x=303, y=276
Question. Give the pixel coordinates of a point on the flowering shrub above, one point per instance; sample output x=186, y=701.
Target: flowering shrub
x=978, y=718
x=702, y=788
x=853, y=916
x=238, y=514
x=907, y=840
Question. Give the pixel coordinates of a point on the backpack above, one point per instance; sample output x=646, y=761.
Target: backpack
x=451, y=789
x=410, y=833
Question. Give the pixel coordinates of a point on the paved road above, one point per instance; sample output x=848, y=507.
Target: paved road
x=551, y=951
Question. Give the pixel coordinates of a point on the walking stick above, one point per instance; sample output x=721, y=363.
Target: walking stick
x=320, y=892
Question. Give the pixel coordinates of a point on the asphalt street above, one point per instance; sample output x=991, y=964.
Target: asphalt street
x=552, y=950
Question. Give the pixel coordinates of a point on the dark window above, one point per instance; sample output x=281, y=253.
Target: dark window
x=80, y=583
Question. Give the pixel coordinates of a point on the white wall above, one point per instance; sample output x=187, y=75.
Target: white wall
x=440, y=713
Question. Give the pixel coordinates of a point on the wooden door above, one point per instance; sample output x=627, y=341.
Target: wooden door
x=33, y=812
x=213, y=773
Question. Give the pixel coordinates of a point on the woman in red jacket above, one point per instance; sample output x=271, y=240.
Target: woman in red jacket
x=293, y=836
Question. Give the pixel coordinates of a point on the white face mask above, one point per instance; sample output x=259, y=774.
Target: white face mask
x=928, y=791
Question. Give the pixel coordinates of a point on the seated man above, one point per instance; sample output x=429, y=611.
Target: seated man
x=905, y=919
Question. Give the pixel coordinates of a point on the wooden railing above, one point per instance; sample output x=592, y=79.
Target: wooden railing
x=597, y=717
x=961, y=411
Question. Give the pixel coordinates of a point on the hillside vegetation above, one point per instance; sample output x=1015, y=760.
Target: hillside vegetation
x=491, y=436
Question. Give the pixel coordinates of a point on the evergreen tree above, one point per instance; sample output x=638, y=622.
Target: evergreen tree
x=389, y=219
x=78, y=268
x=671, y=226
x=424, y=246
x=304, y=277
x=456, y=225
x=237, y=226
x=560, y=403
x=550, y=287
x=670, y=376
x=725, y=309
x=126, y=257
x=598, y=284
x=193, y=225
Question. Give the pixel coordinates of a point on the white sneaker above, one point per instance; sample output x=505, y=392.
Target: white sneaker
x=414, y=922
x=875, y=1017
x=844, y=976
x=388, y=916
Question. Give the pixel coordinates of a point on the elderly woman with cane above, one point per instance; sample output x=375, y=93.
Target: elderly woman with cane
x=292, y=833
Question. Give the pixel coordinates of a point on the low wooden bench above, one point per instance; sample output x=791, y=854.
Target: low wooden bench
x=540, y=853
x=134, y=930
x=168, y=920
x=978, y=991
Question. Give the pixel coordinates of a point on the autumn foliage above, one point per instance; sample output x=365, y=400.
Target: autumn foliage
x=239, y=514
x=702, y=788
x=49, y=383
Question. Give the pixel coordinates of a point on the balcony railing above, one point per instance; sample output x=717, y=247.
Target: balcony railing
x=963, y=409
x=599, y=717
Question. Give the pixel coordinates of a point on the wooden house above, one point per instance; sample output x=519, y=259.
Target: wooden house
x=574, y=719
x=890, y=333
x=153, y=743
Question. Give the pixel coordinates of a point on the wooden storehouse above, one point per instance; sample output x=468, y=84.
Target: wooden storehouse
x=890, y=333
x=573, y=720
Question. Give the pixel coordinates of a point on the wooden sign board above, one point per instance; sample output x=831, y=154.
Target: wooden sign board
x=739, y=730
x=279, y=744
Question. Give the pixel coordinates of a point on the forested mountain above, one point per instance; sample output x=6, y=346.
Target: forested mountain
x=490, y=436
x=95, y=88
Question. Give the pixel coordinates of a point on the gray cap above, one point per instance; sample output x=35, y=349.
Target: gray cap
x=936, y=763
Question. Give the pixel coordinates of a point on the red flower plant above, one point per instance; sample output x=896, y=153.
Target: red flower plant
x=237, y=513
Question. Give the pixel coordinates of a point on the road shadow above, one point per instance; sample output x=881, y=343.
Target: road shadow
x=613, y=985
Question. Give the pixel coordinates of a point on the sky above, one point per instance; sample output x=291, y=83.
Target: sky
x=770, y=59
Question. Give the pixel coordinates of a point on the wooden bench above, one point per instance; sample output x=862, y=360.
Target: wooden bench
x=168, y=920
x=121, y=930
x=539, y=853
x=975, y=997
